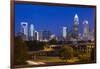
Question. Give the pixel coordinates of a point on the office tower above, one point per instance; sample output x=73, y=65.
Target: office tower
x=36, y=35
x=76, y=27
x=79, y=37
x=64, y=32
x=24, y=30
x=69, y=35
x=46, y=35
x=91, y=36
x=19, y=34
x=40, y=36
x=85, y=30
x=31, y=31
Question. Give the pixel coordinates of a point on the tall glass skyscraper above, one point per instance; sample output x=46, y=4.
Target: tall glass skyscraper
x=76, y=27
x=36, y=35
x=64, y=32
x=31, y=31
x=46, y=35
x=24, y=30
x=85, y=30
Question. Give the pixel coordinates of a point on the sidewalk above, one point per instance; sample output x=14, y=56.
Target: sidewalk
x=34, y=63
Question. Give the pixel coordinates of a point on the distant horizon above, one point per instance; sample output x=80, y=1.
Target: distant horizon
x=52, y=18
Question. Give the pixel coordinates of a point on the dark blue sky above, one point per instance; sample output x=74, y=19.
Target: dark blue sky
x=52, y=18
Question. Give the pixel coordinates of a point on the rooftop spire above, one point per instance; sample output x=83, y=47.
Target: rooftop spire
x=76, y=16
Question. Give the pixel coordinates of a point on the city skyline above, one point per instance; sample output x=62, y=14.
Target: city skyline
x=48, y=34
x=41, y=22
x=30, y=33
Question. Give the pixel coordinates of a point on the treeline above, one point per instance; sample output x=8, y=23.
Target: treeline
x=66, y=52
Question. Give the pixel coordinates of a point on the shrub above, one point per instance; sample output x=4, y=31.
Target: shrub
x=66, y=52
x=20, y=51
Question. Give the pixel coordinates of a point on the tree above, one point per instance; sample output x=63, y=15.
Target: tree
x=84, y=57
x=20, y=51
x=93, y=56
x=53, y=41
x=35, y=45
x=66, y=52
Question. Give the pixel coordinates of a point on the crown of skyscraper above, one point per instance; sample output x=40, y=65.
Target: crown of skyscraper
x=76, y=16
x=85, y=22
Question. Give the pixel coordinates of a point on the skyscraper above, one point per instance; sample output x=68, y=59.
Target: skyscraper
x=36, y=35
x=91, y=36
x=64, y=32
x=46, y=35
x=31, y=31
x=76, y=27
x=40, y=35
x=85, y=30
x=24, y=30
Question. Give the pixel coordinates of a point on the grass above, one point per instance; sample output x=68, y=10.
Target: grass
x=72, y=60
x=50, y=60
